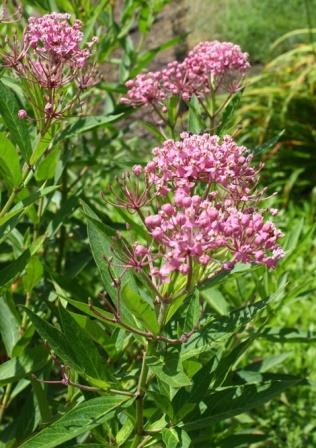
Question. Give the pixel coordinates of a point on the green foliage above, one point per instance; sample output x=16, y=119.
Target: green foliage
x=282, y=114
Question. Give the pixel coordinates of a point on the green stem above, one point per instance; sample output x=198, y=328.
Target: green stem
x=140, y=393
x=190, y=274
x=24, y=316
x=213, y=109
x=25, y=180
x=62, y=234
x=162, y=314
x=164, y=120
x=5, y=400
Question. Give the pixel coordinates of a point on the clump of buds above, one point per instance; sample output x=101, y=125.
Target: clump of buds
x=206, y=212
x=50, y=55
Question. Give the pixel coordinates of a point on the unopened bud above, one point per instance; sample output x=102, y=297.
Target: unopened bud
x=22, y=114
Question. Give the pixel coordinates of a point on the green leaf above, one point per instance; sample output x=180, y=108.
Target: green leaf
x=253, y=372
x=144, y=59
x=101, y=243
x=41, y=144
x=15, y=268
x=228, y=113
x=192, y=312
x=46, y=168
x=170, y=437
x=173, y=110
x=154, y=130
x=10, y=168
x=33, y=273
x=86, y=353
x=62, y=346
x=214, y=280
x=92, y=327
x=31, y=360
x=229, y=360
x=169, y=370
x=83, y=124
x=216, y=300
x=25, y=202
x=244, y=440
x=9, y=324
x=140, y=308
x=9, y=108
x=288, y=335
x=232, y=401
x=195, y=124
x=269, y=144
x=124, y=432
x=81, y=419
x=84, y=307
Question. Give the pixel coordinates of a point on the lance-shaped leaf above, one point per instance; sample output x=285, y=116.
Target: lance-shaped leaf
x=85, y=351
x=15, y=268
x=19, y=133
x=18, y=367
x=233, y=401
x=73, y=347
x=169, y=369
x=84, y=124
x=81, y=419
x=56, y=340
x=9, y=323
x=101, y=242
x=140, y=306
x=10, y=169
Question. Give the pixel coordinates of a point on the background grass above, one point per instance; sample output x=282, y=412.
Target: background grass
x=253, y=24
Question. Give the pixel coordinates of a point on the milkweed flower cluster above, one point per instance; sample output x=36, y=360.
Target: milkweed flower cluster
x=207, y=216
x=50, y=56
x=206, y=68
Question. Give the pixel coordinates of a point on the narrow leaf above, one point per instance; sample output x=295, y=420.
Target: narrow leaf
x=9, y=108
x=81, y=419
x=10, y=168
x=83, y=124
x=31, y=360
x=9, y=324
x=85, y=351
x=233, y=401
x=140, y=308
x=15, y=268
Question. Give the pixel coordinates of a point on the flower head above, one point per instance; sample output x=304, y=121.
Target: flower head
x=179, y=165
x=53, y=36
x=51, y=55
x=208, y=66
x=144, y=89
x=207, y=216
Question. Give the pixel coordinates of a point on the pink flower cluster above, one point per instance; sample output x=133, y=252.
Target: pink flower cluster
x=205, y=68
x=50, y=52
x=206, y=158
x=50, y=56
x=207, y=213
x=53, y=36
x=197, y=229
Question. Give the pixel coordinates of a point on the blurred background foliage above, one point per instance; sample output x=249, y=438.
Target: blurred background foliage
x=253, y=24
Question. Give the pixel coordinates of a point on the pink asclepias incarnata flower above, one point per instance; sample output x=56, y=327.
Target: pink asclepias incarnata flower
x=207, y=216
x=208, y=66
x=51, y=55
x=53, y=36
